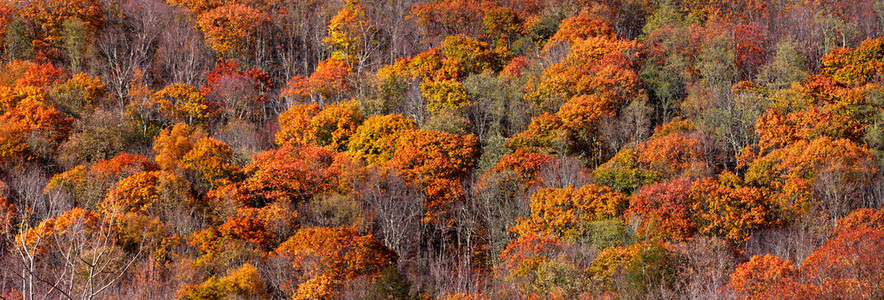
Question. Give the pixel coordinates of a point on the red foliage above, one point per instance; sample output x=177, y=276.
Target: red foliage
x=439, y=161
x=292, y=174
x=665, y=209
x=250, y=229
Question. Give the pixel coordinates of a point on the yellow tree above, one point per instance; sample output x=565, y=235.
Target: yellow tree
x=352, y=35
x=376, y=139
x=565, y=212
x=331, y=127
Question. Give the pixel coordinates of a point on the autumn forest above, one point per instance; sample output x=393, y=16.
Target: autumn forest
x=441, y=149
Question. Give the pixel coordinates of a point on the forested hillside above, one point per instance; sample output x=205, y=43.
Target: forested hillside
x=441, y=149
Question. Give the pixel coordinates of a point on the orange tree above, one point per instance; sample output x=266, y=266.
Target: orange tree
x=439, y=161
x=566, y=212
x=330, y=127
x=321, y=259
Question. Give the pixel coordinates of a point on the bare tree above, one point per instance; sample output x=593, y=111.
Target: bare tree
x=127, y=45
x=74, y=259
x=182, y=54
x=396, y=207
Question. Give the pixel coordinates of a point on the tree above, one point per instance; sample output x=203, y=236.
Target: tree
x=31, y=130
x=859, y=219
x=45, y=22
x=664, y=209
x=329, y=83
x=677, y=149
x=232, y=30
x=623, y=172
x=503, y=25
x=438, y=161
x=173, y=144
x=567, y=212
x=764, y=276
x=330, y=127
x=353, y=35
x=292, y=175
x=214, y=161
x=153, y=191
x=441, y=19
x=376, y=139
x=321, y=259
x=822, y=174
x=87, y=185
x=80, y=94
x=397, y=208
x=71, y=255
x=238, y=94
x=242, y=282
x=179, y=102
x=849, y=264
x=594, y=65
x=544, y=134
x=578, y=28
x=522, y=259
x=727, y=208
x=634, y=270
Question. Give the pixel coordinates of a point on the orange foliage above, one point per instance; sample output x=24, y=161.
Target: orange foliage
x=41, y=236
x=445, y=18
x=665, y=209
x=172, y=144
x=8, y=216
x=595, y=65
x=503, y=24
x=328, y=83
x=323, y=258
x=676, y=149
x=144, y=190
x=230, y=28
x=854, y=260
x=578, y=28
x=41, y=75
x=213, y=159
x=439, y=161
x=524, y=255
x=793, y=170
x=45, y=20
x=86, y=91
x=863, y=218
x=250, y=229
x=544, y=134
x=858, y=66
x=243, y=282
x=330, y=127
x=763, y=277
x=348, y=31
x=179, y=102
x=563, y=212
x=730, y=211
x=776, y=130
x=292, y=174
x=515, y=67
x=88, y=185
x=518, y=171
x=31, y=129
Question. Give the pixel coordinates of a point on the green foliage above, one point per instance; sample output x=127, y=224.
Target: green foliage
x=391, y=285
x=623, y=172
